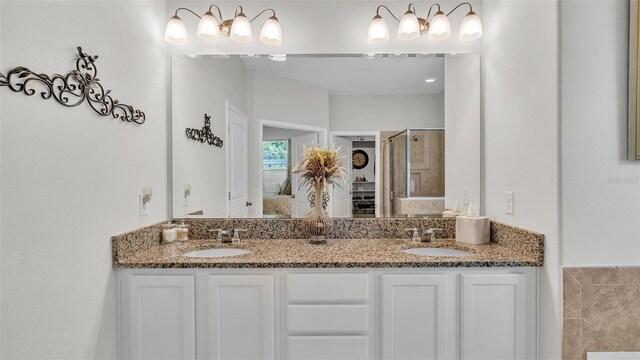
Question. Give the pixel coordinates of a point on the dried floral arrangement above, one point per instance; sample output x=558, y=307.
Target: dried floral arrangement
x=320, y=167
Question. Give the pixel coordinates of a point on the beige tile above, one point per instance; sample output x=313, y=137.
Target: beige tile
x=629, y=275
x=572, y=339
x=593, y=275
x=611, y=317
x=570, y=296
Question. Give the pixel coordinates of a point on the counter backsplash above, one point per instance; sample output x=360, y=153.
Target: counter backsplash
x=125, y=245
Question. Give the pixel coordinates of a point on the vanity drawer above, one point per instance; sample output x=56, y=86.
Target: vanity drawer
x=327, y=287
x=328, y=347
x=328, y=319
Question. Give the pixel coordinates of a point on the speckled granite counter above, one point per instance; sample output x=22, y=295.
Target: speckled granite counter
x=379, y=244
x=345, y=253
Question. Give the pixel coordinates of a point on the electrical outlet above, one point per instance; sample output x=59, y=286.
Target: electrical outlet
x=465, y=196
x=145, y=206
x=509, y=203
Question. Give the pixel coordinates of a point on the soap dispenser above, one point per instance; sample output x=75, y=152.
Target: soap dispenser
x=182, y=231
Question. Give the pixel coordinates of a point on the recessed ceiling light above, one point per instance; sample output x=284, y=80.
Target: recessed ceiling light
x=430, y=80
x=278, y=57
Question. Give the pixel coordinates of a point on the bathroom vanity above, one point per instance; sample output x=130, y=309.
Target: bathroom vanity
x=353, y=298
x=361, y=295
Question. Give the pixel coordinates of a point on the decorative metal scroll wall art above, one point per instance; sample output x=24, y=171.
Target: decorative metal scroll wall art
x=204, y=135
x=73, y=89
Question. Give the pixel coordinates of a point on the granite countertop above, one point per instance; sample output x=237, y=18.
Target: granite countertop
x=337, y=253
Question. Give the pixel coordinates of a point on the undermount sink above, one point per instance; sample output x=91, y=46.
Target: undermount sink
x=215, y=253
x=436, y=252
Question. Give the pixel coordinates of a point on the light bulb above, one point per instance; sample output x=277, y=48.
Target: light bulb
x=471, y=27
x=176, y=33
x=378, y=31
x=271, y=33
x=440, y=29
x=208, y=28
x=241, y=29
x=409, y=27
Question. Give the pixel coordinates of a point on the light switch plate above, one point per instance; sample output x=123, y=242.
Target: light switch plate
x=145, y=209
x=465, y=196
x=509, y=203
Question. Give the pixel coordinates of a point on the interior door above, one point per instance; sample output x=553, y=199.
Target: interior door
x=299, y=202
x=238, y=162
x=342, y=202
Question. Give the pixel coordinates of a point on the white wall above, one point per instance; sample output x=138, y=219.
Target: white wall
x=203, y=85
x=462, y=124
x=290, y=101
x=386, y=112
x=71, y=178
x=521, y=136
x=600, y=188
x=275, y=98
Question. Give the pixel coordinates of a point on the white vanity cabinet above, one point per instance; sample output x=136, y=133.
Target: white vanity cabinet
x=498, y=315
x=415, y=312
x=467, y=314
x=157, y=316
x=328, y=314
x=296, y=314
x=198, y=314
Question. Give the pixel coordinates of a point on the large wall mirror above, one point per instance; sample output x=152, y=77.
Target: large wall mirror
x=408, y=128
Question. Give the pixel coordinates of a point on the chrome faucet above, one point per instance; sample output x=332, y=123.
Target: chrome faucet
x=429, y=235
x=224, y=236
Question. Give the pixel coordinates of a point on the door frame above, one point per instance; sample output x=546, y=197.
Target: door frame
x=324, y=140
x=377, y=177
x=230, y=106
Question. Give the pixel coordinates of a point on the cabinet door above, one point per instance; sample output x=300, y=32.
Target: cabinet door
x=414, y=315
x=240, y=317
x=158, y=317
x=498, y=316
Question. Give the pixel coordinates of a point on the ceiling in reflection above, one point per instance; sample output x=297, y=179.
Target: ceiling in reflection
x=358, y=75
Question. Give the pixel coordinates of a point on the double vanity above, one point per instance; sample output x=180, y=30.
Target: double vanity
x=369, y=293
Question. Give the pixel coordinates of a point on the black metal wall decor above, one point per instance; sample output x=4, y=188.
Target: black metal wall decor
x=78, y=86
x=204, y=135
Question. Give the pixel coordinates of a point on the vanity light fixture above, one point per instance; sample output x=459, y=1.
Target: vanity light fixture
x=437, y=27
x=209, y=29
x=430, y=80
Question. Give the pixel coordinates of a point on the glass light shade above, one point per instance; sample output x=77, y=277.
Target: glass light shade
x=271, y=33
x=241, y=29
x=176, y=33
x=208, y=28
x=378, y=31
x=440, y=28
x=409, y=27
x=471, y=27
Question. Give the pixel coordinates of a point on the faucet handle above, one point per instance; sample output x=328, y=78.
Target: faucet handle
x=236, y=234
x=432, y=233
x=414, y=234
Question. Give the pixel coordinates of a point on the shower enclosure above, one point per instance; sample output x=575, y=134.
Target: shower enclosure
x=413, y=173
